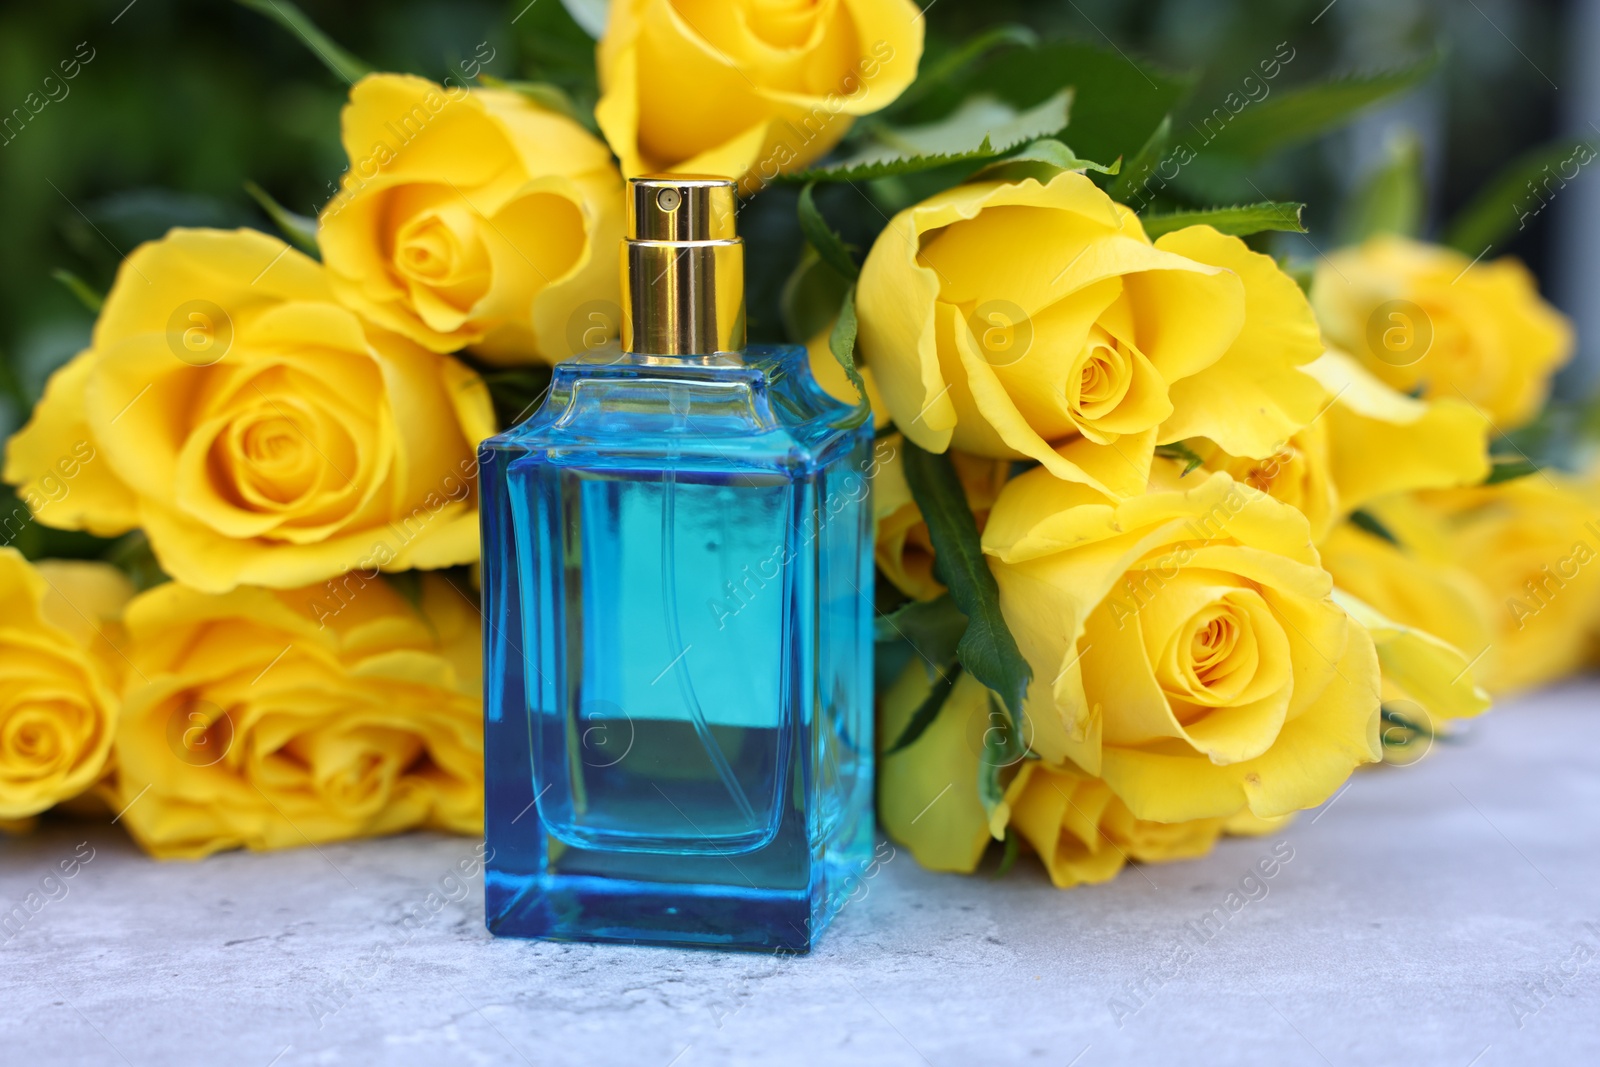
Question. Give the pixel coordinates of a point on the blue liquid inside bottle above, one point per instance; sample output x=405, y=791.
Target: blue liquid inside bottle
x=677, y=572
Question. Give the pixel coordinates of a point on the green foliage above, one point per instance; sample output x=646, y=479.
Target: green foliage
x=1117, y=100
x=1143, y=163
x=1003, y=751
x=1295, y=115
x=927, y=711
x=811, y=297
x=987, y=649
x=555, y=49
x=1403, y=730
x=1390, y=199
x=842, y=343
x=1240, y=221
x=1366, y=520
x=1509, y=468
x=1011, y=849
x=1518, y=194
x=828, y=244
x=1181, y=452
x=932, y=628
x=298, y=230
x=333, y=55
x=1041, y=161
x=982, y=128
x=91, y=299
x=939, y=71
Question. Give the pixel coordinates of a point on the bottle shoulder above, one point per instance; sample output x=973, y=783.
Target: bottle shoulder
x=765, y=409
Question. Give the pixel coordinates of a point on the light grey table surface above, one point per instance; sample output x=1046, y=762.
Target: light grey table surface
x=1446, y=913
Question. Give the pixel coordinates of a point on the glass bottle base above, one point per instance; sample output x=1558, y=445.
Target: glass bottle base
x=562, y=907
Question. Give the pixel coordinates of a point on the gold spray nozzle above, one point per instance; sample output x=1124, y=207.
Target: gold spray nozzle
x=682, y=268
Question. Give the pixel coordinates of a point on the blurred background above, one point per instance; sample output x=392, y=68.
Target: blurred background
x=176, y=104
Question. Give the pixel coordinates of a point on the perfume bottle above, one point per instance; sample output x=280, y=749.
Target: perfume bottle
x=677, y=576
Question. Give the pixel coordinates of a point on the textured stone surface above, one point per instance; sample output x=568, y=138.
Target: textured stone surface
x=1422, y=912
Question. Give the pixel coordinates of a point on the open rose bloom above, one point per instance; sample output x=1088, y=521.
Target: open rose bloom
x=747, y=89
x=1184, y=645
x=258, y=430
x=1038, y=322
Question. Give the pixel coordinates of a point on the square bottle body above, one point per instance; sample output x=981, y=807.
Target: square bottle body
x=677, y=569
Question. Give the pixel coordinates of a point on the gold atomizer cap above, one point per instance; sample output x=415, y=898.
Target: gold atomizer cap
x=682, y=267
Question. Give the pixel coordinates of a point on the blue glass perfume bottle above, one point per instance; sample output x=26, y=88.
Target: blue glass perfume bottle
x=677, y=576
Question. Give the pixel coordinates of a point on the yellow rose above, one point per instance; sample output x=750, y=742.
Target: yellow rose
x=258, y=431
x=1084, y=834
x=1299, y=473
x=1427, y=683
x=1422, y=591
x=1370, y=441
x=252, y=724
x=928, y=791
x=903, y=547
x=60, y=666
x=1029, y=321
x=928, y=798
x=474, y=218
x=1184, y=645
x=1423, y=316
x=1532, y=549
x=744, y=88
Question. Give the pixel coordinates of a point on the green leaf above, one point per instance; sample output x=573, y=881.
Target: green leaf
x=1369, y=522
x=811, y=297
x=299, y=230
x=1509, y=468
x=409, y=585
x=1008, y=856
x=1517, y=195
x=829, y=245
x=1143, y=163
x=842, y=343
x=291, y=18
x=987, y=649
x=1241, y=220
x=943, y=70
x=928, y=710
x=932, y=627
x=1179, y=451
x=555, y=48
x=1117, y=99
x=1290, y=116
x=1406, y=731
x=1390, y=199
x=1041, y=161
x=81, y=289
x=1003, y=750
x=983, y=128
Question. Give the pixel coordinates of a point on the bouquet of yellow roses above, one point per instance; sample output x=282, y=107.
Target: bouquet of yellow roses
x=1173, y=533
